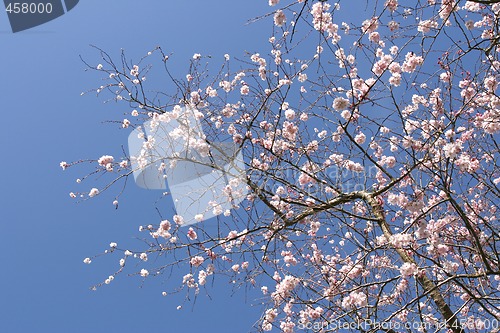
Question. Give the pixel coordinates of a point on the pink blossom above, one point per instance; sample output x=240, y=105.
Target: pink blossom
x=393, y=25
x=279, y=18
x=322, y=19
x=472, y=6
x=225, y=85
x=245, y=89
x=340, y=103
x=179, y=220
x=355, y=299
x=391, y=4
x=374, y=37
x=192, y=234
x=288, y=258
x=408, y=269
x=202, y=277
x=395, y=79
x=467, y=163
x=445, y=77
x=134, y=71
x=447, y=7
x=211, y=92
x=285, y=287
x=290, y=131
x=93, y=192
x=287, y=326
x=426, y=25
x=105, y=159
x=163, y=230
x=196, y=261
x=411, y=62
x=452, y=149
x=370, y=25
x=290, y=114
x=401, y=240
x=360, y=138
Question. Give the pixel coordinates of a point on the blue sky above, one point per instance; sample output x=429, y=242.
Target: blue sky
x=44, y=235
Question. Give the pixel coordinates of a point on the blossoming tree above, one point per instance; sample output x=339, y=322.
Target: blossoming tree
x=371, y=176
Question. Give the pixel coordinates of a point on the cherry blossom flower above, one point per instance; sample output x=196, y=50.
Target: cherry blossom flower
x=392, y=5
x=426, y=25
x=244, y=90
x=408, y=269
x=290, y=114
x=197, y=261
x=279, y=18
x=134, y=71
x=360, y=138
x=105, y=159
x=355, y=299
x=192, y=234
x=93, y=192
x=340, y=103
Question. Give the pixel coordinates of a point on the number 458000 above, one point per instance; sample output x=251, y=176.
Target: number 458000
x=29, y=8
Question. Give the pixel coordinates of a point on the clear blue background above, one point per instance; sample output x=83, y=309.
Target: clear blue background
x=44, y=235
